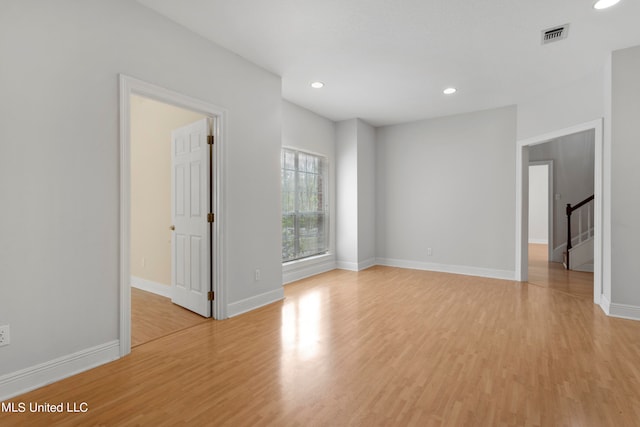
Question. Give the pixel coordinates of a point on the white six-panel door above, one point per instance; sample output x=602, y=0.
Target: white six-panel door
x=190, y=197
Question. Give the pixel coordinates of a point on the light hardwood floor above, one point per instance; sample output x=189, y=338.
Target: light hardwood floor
x=384, y=346
x=154, y=316
x=553, y=275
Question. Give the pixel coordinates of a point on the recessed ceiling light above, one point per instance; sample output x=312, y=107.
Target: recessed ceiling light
x=449, y=91
x=317, y=85
x=603, y=4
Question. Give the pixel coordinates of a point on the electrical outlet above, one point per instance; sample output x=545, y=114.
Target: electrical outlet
x=4, y=335
x=144, y=262
x=258, y=275
x=429, y=252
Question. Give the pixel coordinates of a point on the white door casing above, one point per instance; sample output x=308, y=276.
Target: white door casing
x=190, y=202
x=130, y=86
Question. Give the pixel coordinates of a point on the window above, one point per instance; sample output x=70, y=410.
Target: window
x=305, y=215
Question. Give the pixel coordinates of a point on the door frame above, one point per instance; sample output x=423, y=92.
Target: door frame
x=550, y=204
x=132, y=86
x=522, y=200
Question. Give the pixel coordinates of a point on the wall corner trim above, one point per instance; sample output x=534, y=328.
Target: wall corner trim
x=24, y=380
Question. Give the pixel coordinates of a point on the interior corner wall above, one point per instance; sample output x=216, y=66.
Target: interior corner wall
x=448, y=184
x=366, y=195
x=356, y=202
x=625, y=176
x=60, y=107
x=347, y=194
x=151, y=126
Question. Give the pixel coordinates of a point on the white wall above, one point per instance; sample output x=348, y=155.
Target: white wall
x=59, y=164
x=366, y=195
x=539, y=204
x=573, y=159
x=307, y=131
x=606, y=184
x=347, y=194
x=625, y=179
x=563, y=107
x=448, y=184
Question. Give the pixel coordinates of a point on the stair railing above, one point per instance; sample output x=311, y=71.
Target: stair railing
x=570, y=210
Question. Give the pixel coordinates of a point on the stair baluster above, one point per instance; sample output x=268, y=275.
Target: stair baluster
x=570, y=209
x=580, y=226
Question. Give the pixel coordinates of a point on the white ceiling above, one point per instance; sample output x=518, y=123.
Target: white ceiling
x=387, y=61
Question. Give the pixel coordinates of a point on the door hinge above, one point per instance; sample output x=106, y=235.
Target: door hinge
x=210, y=217
x=210, y=139
x=210, y=296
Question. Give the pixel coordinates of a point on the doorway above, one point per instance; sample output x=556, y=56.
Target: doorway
x=541, y=206
x=129, y=88
x=522, y=201
x=157, y=308
x=546, y=267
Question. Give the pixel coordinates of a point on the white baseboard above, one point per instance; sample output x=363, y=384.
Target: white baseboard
x=28, y=379
x=356, y=266
x=298, y=270
x=153, y=287
x=347, y=265
x=248, y=304
x=623, y=311
x=363, y=265
x=447, y=268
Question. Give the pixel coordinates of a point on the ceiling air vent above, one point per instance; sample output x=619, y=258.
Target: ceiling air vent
x=555, y=34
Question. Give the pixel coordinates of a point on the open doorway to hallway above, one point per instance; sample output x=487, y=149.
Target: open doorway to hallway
x=561, y=173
